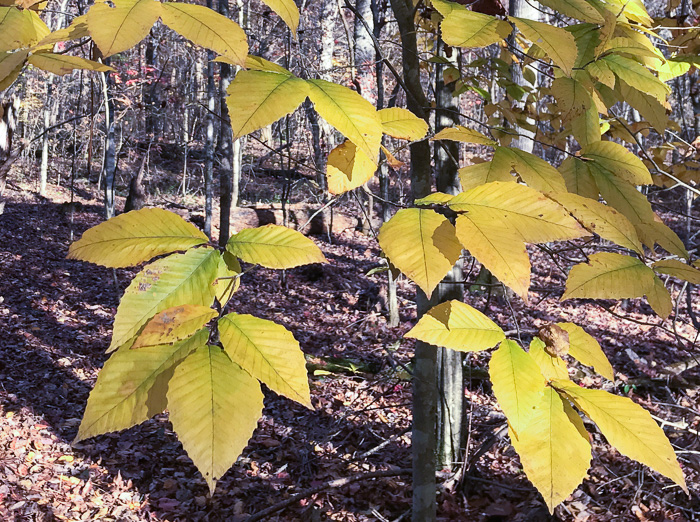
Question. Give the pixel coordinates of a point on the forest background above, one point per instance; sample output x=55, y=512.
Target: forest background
x=154, y=130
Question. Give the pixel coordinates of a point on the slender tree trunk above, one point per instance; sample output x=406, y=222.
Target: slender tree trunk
x=449, y=362
x=150, y=89
x=424, y=390
x=44, y=170
x=225, y=147
x=110, y=158
x=209, y=143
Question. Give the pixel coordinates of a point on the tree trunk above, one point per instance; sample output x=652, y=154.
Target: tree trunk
x=110, y=158
x=424, y=390
x=209, y=143
x=225, y=147
x=44, y=170
x=449, y=362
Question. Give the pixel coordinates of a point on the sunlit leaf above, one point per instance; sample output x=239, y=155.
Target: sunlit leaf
x=267, y=351
x=628, y=427
x=274, y=246
x=458, y=326
x=551, y=366
x=20, y=28
x=618, y=160
x=287, y=11
x=578, y=178
x=214, y=406
x=348, y=168
x=609, y=276
x=585, y=349
x=554, y=449
x=517, y=384
x=465, y=135
x=402, y=124
x=464, y=28
x=11, y=65
x=622, y=196
x=637, y=76
x=64, y=63
x=207, y=28
x=660, y=299
x=175, y=280
x=649, y=107
x=656, y=232
x=559, y=44
x=258, y=98
x=576, y=9
x=116, y=29
x=479, y=174
x=77, y=29
x=534, y=171
x=678, y=269
x=135, y=237
x=601, y=219
x=422, y=244
x=131, y=386
x=174, y=324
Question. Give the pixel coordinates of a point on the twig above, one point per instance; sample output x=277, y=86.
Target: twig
x=331, y=484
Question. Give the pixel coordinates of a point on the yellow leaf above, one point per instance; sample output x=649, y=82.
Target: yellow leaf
x=11, y=65
x=578, y=178
x=120, y=28
x=422, y=244
x=473, y=176
x=287, y=11
x=268, y=352
x=609, y=276
x=274, y=246
x=20, y=28
x=579, y=9
x=228, y=278
x=678, y=269
x=558, y=43
x=255, y=63
x=350, y=113
x=660, y=299
x=129, y=391
x=77, y=29
x=135, y=237
x=464, y=134
x=554, y=449
x=517, y=384
x=632, y=9
x=258, y=98
x=436, y=198
x=586, y=127
x=628, y=427
x=618, y=160
x=534, y=171
x=174, y=324
x=551, y=366
x=64, y=63
x=348, y=168
x=214, y=406
x=402, y=124
x=207, y=28
x=655, y=231
x=463, y=28
x=458, y=326
x=602, y=73
x=648, y=106
x=171, y=281
x=573, y=97
x=637, y=76
x=498, y=247
x=535, y=217
x=601, y=219
x=585, y=349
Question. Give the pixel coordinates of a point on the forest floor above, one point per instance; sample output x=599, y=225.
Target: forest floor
x=55, y=319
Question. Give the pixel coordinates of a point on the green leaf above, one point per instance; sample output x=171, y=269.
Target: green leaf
x=174, y=324
x=422, y=244
x=558, y=43
x=578, y=178
x=348, y=168
x=517, y=384
x=622, y=195
x=551, y=366
x=131, y=386
x=465, y=135
x=116, y=29
x=458, y=326
x=637, y=76
x=135, y=237
x=402, y=124
x=554, y=449
x=660, y=299
x=628, y=427
x=585, y=349
x=175, y=280
x=258, y=98
x=287, y=11
x=601, y=219
x=609, y=276
x=649, y=107
x=207, y=28
x=214, y=406
x=576, y=9
x=267, y=351
x=64, y=63
x=274, y=246
x=350, y=113
x=678, y=269
x=463, y=28
x=618, y=160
